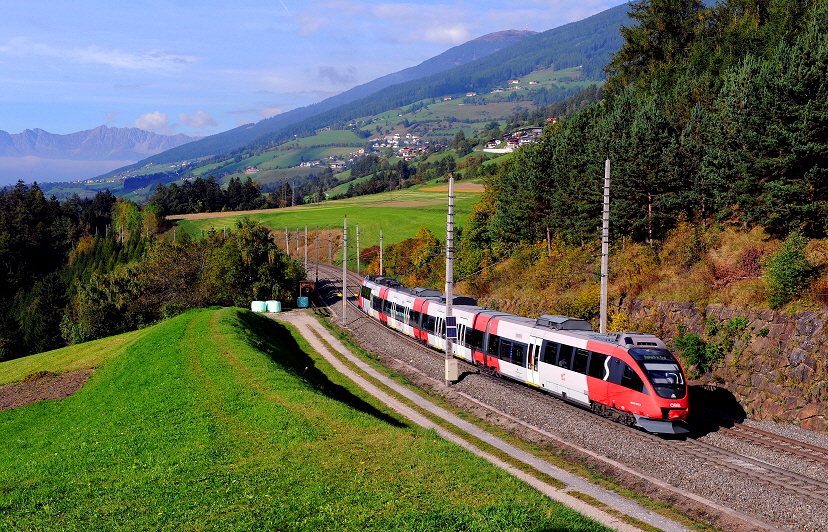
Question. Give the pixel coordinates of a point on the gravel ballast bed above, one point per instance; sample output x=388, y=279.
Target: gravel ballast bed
x=702, y=478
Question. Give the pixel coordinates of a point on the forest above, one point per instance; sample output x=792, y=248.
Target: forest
x=710, y=115
x=90, y=268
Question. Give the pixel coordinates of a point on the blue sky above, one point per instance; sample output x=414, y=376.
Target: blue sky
x=203, y=67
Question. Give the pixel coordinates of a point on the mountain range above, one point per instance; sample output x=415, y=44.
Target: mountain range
x=100, y=144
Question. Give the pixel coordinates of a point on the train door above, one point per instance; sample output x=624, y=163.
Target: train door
x=440, y=332
x=461, y=348
x=532, y=360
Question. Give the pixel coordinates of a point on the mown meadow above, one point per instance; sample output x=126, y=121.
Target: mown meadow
x=399, y=214
x=223, y=419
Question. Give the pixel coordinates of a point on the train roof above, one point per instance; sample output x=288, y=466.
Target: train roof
x=563, y=323
x=385, y=281
x=461, y=300
x=426, y=292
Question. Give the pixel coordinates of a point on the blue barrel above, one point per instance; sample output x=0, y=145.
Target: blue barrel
x=258, y=306
x=302, y=302
x=274, y=306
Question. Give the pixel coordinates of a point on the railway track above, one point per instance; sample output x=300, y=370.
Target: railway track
x=779, y=443
x=754, y=469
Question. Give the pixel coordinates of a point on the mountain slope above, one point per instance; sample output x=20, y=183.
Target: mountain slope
x=243, y=135
x=589, y=43
x=99, y=144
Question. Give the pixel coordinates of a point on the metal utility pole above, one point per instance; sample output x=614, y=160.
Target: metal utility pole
x=287, y=241
x=602, y=328
x=306, y=250
x=357, y=243
x=316, y=239
x=451, y=321
x=381, y=270
x=330, y=248
x=344, y=270
x=297, y=243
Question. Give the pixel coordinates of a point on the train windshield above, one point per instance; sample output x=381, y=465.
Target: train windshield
x=662, y=370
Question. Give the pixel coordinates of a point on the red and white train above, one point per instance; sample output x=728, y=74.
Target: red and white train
x=629, y=374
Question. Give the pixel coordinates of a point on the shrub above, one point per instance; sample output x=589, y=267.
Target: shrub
x=693, y=349
x=787, y=271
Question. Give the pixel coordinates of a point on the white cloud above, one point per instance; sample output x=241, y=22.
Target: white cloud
x=156, y=122
x=152, y=60
x=453, y=35
x=199, y=120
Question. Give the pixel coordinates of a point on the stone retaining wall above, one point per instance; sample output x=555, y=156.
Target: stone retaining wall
x=777, y=368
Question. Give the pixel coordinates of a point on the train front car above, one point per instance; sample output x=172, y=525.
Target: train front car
x=651, y=387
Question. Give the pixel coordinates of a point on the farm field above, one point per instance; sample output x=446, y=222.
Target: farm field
x=399, y=215
x=221, y=419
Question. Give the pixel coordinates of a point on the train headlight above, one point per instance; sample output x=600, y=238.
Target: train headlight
x=677, y=414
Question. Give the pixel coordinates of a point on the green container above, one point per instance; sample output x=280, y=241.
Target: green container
x=274, y=306
x=258, y=306
x=302, y=302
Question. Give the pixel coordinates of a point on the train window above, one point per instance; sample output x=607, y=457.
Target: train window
x=494, y=344
x=519, y=354
x=579, y=362
x=399, y=312
x=596, y=365
x=631, y=380
x=377, y=304
x=666, y=378
x=505, y=351
x=414, y=318
x=550, y=352
x=474, y=338
x=366, y=292
x=429, y=323
x=565, y=356
x=386, y=307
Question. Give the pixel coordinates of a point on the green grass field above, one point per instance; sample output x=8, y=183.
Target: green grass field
x=399, y=215
x=226, y=420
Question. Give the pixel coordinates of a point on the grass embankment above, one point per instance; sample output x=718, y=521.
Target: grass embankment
x=222, y=419
x=399, y=215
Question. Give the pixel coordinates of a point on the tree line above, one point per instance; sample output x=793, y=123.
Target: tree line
x=88, y=268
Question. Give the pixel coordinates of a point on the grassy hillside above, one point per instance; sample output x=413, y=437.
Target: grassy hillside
x=399, y=215
x=222, y=419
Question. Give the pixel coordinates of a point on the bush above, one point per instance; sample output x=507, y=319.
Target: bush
x=693, y=349
x=787, y=271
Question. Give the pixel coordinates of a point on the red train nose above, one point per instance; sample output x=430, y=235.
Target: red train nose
x=677, y=414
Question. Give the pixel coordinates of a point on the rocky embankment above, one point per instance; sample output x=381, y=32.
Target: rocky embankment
x=775, y=365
